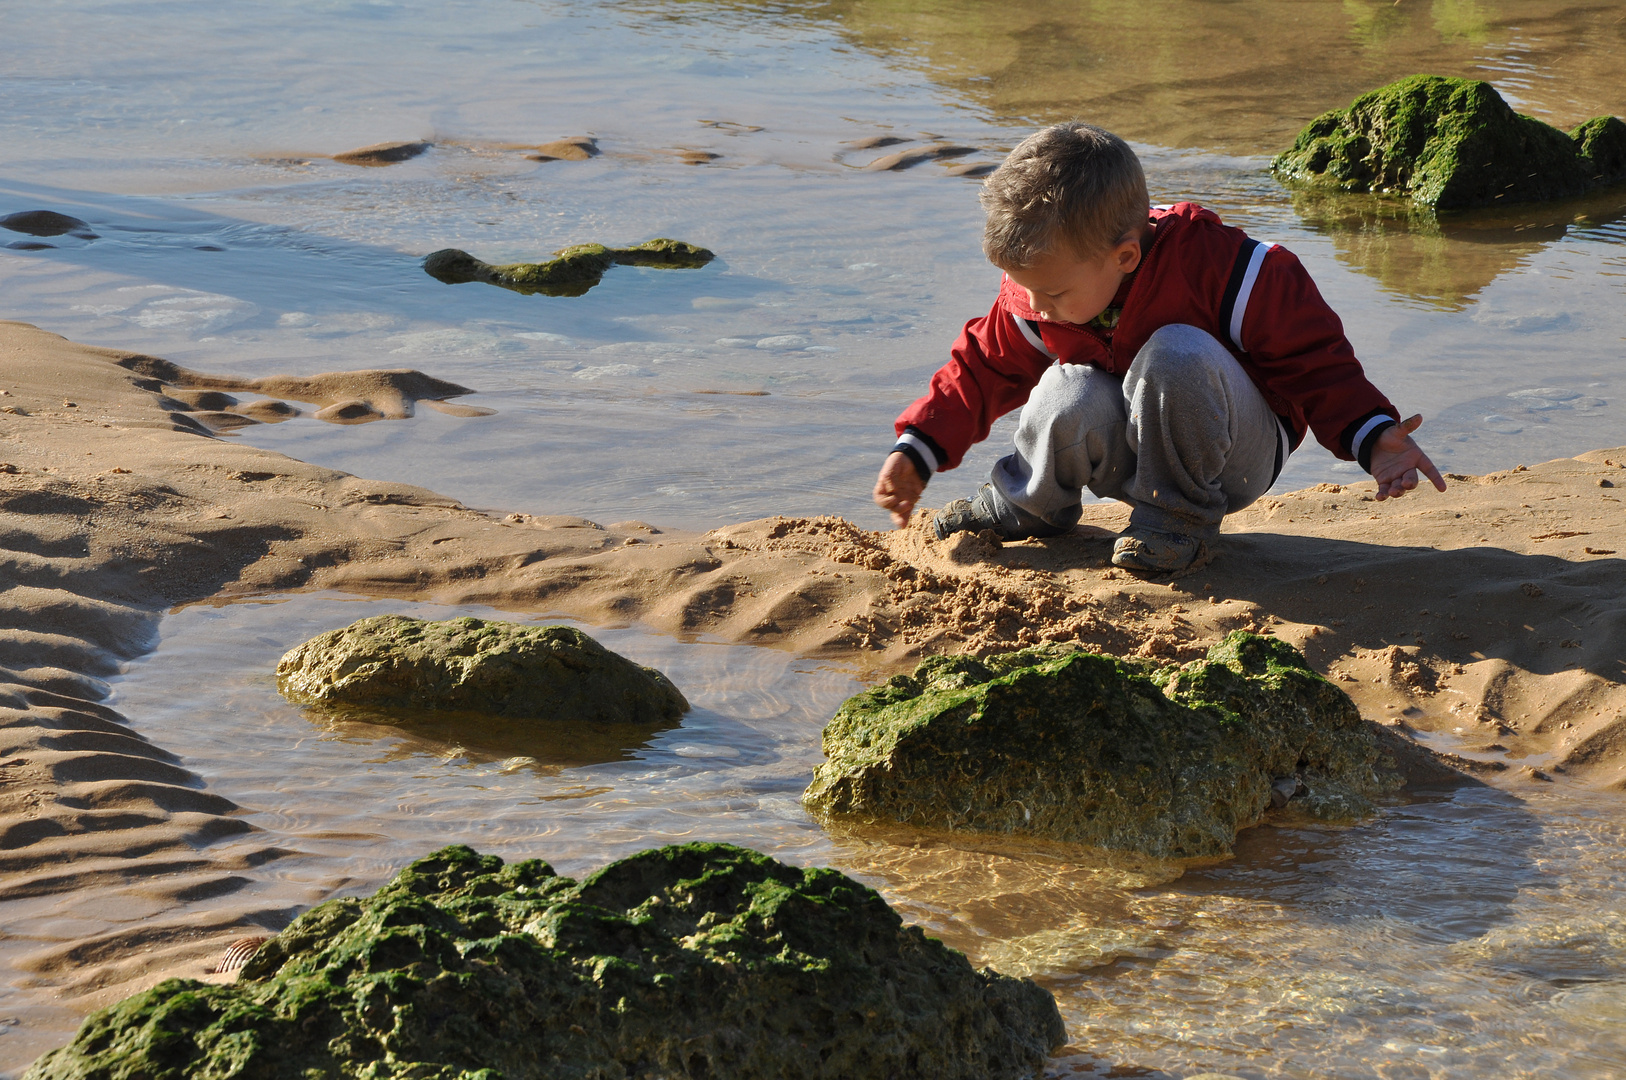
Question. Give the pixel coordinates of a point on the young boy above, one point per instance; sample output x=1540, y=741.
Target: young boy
x=1161, y=358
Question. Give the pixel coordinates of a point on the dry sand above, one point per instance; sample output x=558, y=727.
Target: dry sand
x=1494, y=611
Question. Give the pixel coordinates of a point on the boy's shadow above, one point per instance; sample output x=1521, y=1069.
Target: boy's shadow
x=1458, y=606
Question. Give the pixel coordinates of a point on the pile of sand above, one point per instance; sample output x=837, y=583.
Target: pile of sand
x=1496, y=611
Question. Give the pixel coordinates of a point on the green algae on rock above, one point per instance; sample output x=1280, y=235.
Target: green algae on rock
x=571, y=271
x=1087, y=749
x=693, y=961
x=476, y=665
x=1452, y=144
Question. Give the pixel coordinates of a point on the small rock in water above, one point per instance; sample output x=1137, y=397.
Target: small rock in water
x=875, y=142
x=571, y=272
x=699, y=960
x=351, y=411
x=46, y=223
x=267, y=411
x=971, y=168
x=573, y=148
x=30, y=245
x=1070, y=746
x=477, y=665
x=696, y=157
x=386, y=153
x=903, y=159
x=1285, y=790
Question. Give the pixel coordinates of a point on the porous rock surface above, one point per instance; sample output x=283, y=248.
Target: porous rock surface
x=695, y=961
x=1088, y=749
x=476, y=665
x=571, y=271
x=1452, y=144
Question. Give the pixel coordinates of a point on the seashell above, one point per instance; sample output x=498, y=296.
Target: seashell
x=239, y=953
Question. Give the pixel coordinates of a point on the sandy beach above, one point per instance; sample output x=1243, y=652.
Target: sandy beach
x=1494, y=613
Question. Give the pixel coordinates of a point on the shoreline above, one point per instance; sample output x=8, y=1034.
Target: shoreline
x=1495, y=612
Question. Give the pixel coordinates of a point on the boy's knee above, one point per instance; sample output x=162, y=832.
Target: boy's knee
x=1180, y=344
x=1076, y=391
x=1179, y=354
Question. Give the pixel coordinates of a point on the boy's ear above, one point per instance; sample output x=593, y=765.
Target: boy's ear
x=1126, y=255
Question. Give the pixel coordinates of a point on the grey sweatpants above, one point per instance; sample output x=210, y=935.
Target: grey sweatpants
x=1183, y=436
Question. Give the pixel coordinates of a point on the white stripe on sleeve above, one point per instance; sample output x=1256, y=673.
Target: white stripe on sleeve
x=925, y=452
x=1366, y=429
x=1033, y=339
x=1248, y=278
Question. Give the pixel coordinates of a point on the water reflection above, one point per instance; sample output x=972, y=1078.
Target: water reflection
x=1446, y=261
x=1241, y=77
x=546, y=746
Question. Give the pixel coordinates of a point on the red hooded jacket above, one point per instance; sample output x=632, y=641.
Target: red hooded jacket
x=1257, y=299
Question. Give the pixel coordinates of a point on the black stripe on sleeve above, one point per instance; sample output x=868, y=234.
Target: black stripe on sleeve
x=1239, y=270
x=937, y=451
x=914, y=455
x=1363, y=452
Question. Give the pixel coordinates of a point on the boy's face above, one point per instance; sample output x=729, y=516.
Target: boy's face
x=1063, y=287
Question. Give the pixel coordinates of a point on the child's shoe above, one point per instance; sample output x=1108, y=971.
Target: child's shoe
x=1149, y=549
x=968, y=515
x=983, y=511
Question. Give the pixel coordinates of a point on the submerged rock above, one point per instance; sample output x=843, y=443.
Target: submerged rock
x=46, y=223
x=476, y=665
x=702, y=960
x=1452, y=144
x=904, y=159
x=384, y=153
x=572, y=148
x=1086, y=749
x=571, y=271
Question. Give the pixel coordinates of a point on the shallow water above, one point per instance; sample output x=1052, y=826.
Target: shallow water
x=179, y=128
x=1468, y=933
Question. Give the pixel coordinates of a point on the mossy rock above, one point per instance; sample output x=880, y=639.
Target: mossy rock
x=1452, y=144
x=696, y=961
x=572, y=270
x=1088, y=749
x=393, y=662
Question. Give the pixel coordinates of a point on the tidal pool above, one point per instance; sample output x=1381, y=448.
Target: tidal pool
x=1470, y=932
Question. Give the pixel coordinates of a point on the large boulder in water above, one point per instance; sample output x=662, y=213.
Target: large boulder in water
x=1087, y=749
x=1452, y=144
x=506, y=669
x=703, y=960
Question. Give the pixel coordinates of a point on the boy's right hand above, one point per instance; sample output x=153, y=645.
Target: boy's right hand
x=898, y=487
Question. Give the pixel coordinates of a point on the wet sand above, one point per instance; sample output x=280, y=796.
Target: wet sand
x=1493, y=611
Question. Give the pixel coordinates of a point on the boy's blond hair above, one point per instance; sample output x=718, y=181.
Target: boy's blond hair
x=1073, y=187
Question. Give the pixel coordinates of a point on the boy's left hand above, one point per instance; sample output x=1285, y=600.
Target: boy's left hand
x=1396, y=461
